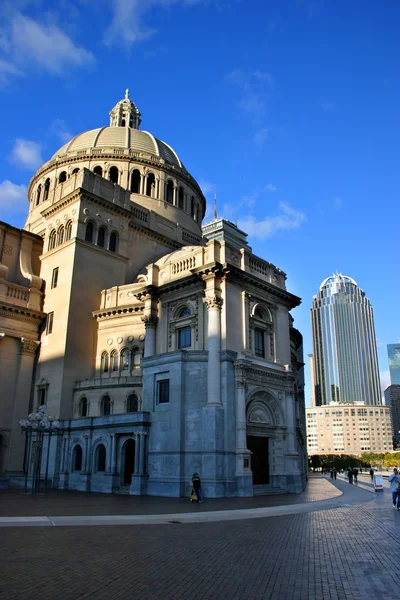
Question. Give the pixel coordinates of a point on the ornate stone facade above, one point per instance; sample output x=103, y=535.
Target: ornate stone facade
x=167, y=348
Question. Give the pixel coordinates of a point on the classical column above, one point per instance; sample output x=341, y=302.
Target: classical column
x=28, y=351
x=113, y=453
x=137, y=453
x=150, y=323
x=87, y=453
x=142, y=438
x=291, y=443
x=64, y=449
x=214, y=305
x=241, y=439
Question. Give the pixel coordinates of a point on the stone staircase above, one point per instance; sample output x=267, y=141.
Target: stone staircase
x=267, y=490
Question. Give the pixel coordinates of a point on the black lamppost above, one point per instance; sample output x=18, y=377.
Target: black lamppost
x=36, y=427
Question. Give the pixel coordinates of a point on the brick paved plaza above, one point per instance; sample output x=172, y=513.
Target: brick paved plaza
x=350, y=552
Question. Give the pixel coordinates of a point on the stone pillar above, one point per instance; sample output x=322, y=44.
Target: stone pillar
x=291, y=444
x=21, y=404
x=113, y=453
x=142, y=438
x=137, y=453
x=150, y=323
x=244, y=477
x=214, y=305
x=292, y=470
x=175, y=196
x=86, y=465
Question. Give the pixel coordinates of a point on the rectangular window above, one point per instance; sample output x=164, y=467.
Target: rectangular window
x=49, y=323
x=259, y=348
x=163, y=391
x=54, y=278
x=184, y=338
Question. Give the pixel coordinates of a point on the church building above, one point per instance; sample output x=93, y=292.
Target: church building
x=163, y=347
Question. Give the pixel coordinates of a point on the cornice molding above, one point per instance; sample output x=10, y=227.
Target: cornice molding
x=109, y=313
x=20, y=313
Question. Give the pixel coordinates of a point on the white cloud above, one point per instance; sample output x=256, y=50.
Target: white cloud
x=328, y=106
x=59, y=128
x=12, y=197
x=337, y=202
x=260, y=137
x=46, y=45
x=255, y=88
x=128, y=26
x=25, y=42
x=270, y=187
x=206, y=186
x=288, y=218
x=26, y=154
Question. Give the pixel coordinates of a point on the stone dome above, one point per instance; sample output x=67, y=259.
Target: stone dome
x=122, y=133
x=119, y=137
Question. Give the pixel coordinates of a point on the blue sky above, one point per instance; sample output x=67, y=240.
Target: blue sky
x=289, y=108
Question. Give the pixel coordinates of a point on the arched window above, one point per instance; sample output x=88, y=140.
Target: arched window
x=135, y=181
x=38, y=193
x=62, y=177
x=98, y=171
x=185, y=312
x=258, y=313
x=83, y=407
x=136, y=358
x=89, y=231
x=114, y=360
x=123, y=123
x=60, y=235
x=150, y=185
x=192, y=207
x=106, y=406
x=113, y=175
x=113, y=244
x=46, y=190
x=77, y=458
x=52, y=240
x=124, y=359
x=169, y=196
x=132, y=404
x=101, y=237
x=104, y=362
x=100, y=459
x=68, y=231
x=75, y=171
x=181, y=196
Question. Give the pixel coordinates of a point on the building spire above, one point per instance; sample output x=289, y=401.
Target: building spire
x=215, y=205
x=125, y=113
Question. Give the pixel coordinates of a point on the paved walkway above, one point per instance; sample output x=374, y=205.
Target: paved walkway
x=77, y=509
x=346, y=553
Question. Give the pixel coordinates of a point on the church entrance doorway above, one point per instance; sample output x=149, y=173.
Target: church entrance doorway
x=129, y=462
x=258, y=446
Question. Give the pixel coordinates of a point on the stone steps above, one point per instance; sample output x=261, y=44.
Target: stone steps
x=267, y=490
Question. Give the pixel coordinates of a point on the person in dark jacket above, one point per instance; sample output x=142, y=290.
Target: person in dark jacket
x=197, y=486
x=350, y=475
x=355, y=474
x=371, y=472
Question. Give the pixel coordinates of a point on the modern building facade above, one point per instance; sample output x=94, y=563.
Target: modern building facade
x=348, y=429
x=394, y=363
x=392, y=400
x=166, y=348
x=344, y=344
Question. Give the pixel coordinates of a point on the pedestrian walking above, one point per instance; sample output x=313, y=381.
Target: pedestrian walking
x=331, y=473
x=394, y=481
x=355, y=475
x=197, y=487
x=371, y=472
x=334, y=473
x=350, y=475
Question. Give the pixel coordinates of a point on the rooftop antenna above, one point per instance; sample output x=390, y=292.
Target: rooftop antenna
x=215, y=205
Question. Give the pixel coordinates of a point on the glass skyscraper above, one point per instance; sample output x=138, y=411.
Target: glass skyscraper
x=345, y=357
x=394, y=363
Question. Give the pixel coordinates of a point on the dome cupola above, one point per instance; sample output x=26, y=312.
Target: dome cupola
x=125, y=114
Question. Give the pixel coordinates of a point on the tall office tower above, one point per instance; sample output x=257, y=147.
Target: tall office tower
x=345, y=357
x=394, y=363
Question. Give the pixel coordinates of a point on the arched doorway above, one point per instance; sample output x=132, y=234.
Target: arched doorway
x=129, y=461
x=263, y=417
